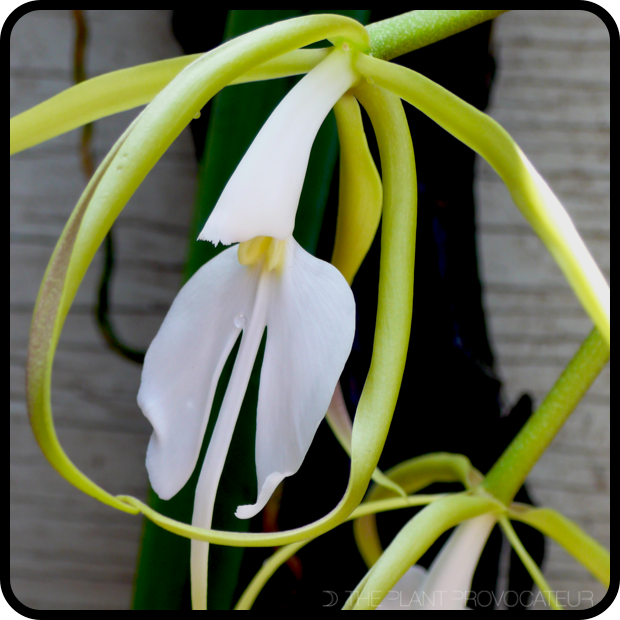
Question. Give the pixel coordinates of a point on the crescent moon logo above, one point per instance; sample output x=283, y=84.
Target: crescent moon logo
x=333, y=598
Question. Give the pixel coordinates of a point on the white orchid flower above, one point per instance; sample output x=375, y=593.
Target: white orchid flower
x=267, y=281
x=447, y=584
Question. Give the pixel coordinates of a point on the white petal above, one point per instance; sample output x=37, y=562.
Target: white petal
x=310, y=328
x=184, y=362
x=262, y=196
x=407, y=593
x=450, y=576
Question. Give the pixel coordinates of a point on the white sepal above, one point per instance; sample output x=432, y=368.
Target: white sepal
x=262, y=196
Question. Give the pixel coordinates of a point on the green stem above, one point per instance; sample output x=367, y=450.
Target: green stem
x=513, y=466
x=410, y=31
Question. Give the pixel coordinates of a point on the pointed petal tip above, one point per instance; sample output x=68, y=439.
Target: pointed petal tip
x=163, y=485
x=210, y=235
x=272, y=481
x=202, y=237
x=217, y=232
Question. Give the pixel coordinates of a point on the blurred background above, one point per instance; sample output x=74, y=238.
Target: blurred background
x=551, y=92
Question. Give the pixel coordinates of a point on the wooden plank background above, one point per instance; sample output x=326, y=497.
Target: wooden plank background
x=552, y=94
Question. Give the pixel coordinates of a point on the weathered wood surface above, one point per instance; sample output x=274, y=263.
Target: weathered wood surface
x=552, y=94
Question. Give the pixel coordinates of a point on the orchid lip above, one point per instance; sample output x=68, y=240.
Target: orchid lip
x=309, y=312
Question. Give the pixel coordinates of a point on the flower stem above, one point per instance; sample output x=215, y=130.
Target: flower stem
x=513, y=466
x=410, y=31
